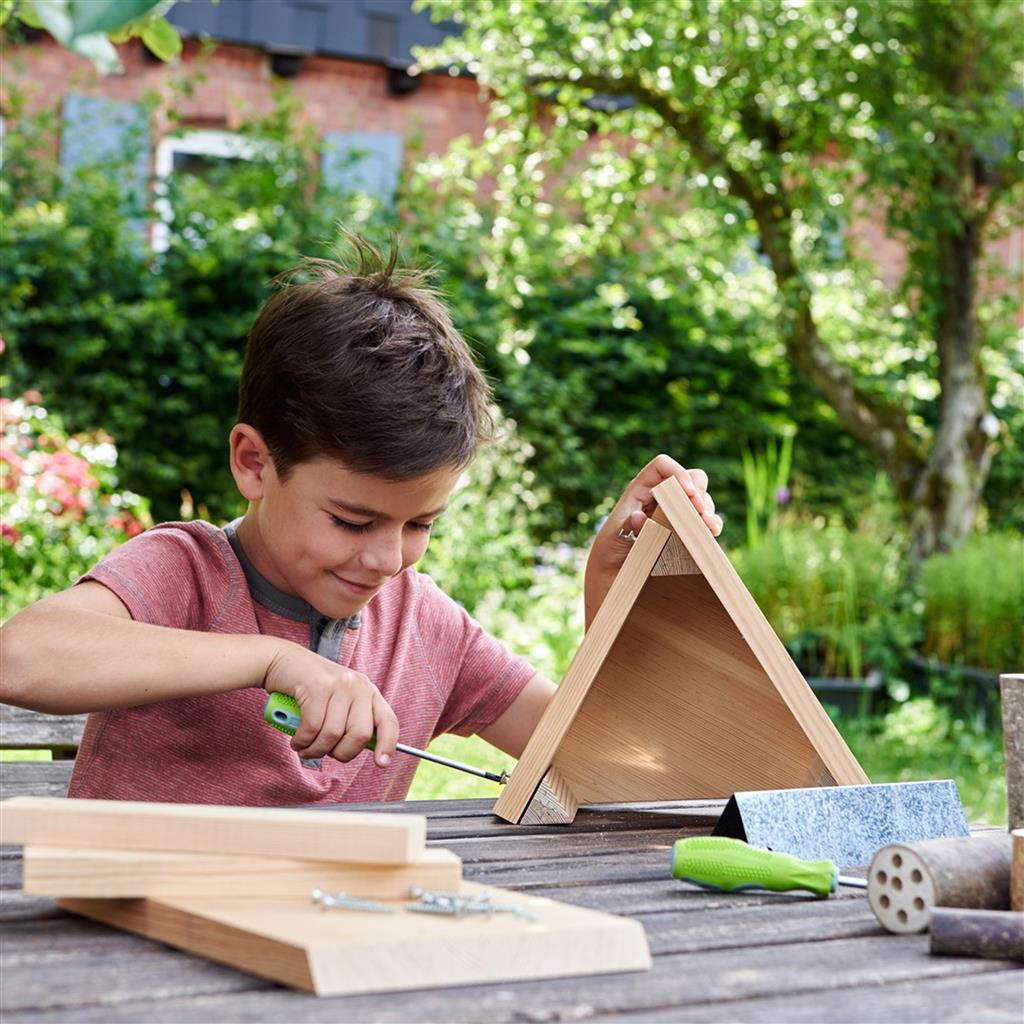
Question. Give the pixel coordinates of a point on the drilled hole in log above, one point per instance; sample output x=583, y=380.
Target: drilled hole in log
x=884, y=900
x=897, y=861
x=915, y=875
x=901, y=916
x=919, y=903
x=897, y=882
x=882, y=877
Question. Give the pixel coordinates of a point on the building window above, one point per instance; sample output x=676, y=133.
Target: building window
x=197, y=153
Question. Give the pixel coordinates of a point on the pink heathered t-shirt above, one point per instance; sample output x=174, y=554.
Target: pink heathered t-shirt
x=435, y=665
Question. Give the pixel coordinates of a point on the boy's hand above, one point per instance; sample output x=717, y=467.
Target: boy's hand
x=610, y=546
x=340, y=709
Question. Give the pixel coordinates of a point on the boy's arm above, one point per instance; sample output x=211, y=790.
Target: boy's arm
x=512, y=731
x=80, y=650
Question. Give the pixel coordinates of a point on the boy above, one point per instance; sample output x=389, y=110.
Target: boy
x=359, y=408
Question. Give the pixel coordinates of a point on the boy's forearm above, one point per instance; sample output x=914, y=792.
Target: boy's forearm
x=63, y=662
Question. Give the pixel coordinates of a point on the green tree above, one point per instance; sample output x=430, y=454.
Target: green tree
x=779, y=121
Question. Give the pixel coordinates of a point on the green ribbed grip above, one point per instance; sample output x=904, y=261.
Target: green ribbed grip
x=282, y=712
x=717, y=862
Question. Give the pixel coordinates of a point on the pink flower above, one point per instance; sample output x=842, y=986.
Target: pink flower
x=33, y=397
x=9, y=533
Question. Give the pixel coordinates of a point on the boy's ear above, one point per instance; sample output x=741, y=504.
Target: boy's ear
x=250, y=461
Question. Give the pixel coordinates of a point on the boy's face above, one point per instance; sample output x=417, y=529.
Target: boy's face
x=334, y=537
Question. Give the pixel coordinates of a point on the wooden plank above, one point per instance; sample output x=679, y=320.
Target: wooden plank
x=678, y=987
x=23, y=729
x=560, y=712
x=35, y=778
x=995, y=998
x=293, y=942
x=354, y=837
x=62, y=871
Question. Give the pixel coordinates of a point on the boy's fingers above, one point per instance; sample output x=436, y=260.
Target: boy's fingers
x=387, y=730
x=358, y=730
x=332, y=727
x=313, y=713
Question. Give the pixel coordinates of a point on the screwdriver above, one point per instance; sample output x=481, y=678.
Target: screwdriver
x=728, y=865
x=282, y=712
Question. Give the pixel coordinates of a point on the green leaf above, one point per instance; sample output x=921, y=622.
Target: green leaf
x=162, y=38
x=100, y=50
x=90, y=16
x=55, y=17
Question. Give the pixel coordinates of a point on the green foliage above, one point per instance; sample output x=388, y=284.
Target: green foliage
x=91, y=27
x=619, y=128
x=973, y=601
x=151, y=348
x=62, y=510
x=766, y=478
x=832, y=596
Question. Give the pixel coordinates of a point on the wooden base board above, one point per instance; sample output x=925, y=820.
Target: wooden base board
x=340, y=952
x=57, y=871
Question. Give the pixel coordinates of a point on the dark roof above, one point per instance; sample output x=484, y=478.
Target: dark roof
x=381, y=31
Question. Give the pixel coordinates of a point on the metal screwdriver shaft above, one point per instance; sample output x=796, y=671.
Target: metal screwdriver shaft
x=282, y=712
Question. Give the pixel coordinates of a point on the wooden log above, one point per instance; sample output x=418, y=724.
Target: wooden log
x=1011, y=690
x=1017, y=871
x=992, y=934
x=907, y=880
x=353, y=836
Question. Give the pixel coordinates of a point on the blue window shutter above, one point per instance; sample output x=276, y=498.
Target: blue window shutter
x=97, y=131
x=367, y=162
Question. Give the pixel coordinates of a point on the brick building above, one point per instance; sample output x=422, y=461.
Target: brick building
x=346, y=61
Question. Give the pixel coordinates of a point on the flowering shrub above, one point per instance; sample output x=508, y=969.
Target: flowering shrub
x=61, y=509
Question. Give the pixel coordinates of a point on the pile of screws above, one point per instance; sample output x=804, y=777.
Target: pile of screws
x=428, y=901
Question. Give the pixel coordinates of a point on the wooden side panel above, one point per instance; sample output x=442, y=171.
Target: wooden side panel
x=56, y=871
x=561, y=712
x=681, y=709
x=355, y=837
x=554, y=803
x=778, y=668
x=347, y=952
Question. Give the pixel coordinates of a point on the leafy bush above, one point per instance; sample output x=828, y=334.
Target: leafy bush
x=974, y=603
x=62, y=510
x=831, y=595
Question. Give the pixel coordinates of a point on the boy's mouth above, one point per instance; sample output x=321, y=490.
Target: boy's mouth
x=362, y=589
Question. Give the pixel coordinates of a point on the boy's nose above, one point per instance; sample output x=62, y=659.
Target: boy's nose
x=384, y=555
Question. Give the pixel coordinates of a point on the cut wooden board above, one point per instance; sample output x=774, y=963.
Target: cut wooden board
x=60, y=871
x=680, y=690
x=354, y=837
x=341, y=952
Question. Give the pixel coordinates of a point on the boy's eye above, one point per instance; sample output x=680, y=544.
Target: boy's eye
x=425, y=527
x=351, y=527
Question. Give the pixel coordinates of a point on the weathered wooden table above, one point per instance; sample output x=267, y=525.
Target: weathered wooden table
x=744, y=957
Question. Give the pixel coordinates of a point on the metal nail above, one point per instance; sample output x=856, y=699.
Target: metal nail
x=341, y=901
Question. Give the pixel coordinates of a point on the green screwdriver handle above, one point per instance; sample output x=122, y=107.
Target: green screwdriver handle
x=717, y=862
x=282, y=712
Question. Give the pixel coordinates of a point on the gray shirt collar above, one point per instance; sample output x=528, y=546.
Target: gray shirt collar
x=265, y=593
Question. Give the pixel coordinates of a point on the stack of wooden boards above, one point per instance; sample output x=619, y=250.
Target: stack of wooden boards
x=234, y=884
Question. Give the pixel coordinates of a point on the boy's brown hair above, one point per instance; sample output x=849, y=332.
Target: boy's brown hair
x=363, y=364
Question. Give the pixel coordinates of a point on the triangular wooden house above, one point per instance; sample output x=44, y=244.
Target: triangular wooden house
x=680, y=690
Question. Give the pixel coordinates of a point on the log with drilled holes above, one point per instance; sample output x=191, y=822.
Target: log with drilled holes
x=906, y=880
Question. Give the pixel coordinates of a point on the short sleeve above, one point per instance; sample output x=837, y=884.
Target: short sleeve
x=481, y=675
x=175, y=574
